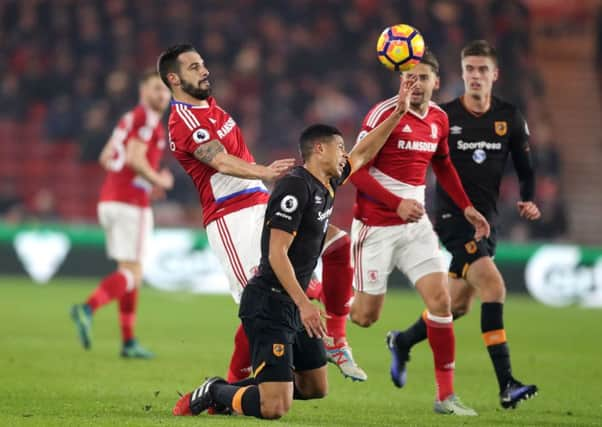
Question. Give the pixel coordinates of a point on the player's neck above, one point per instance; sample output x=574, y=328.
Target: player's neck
x=188, y=99
x=318, y=173
x=477, y=105
x=420, y=109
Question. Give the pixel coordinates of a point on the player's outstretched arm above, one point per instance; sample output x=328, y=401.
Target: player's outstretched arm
x=135, y=157
x=280, y=242
x=214, y=154
x=365, y=149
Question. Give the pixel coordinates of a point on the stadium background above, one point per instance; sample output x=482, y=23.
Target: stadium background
x=69, y=70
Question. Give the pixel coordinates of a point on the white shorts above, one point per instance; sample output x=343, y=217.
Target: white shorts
x=412, y=248
x=128, y=230
x=236, y=240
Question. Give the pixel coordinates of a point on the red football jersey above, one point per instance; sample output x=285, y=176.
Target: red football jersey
x=220, y=194
x=401, y=165
x=122, y=183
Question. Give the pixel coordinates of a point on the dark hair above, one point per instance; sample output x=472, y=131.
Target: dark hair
x=430, y=59
x=168, y=60
x=314, y=134
x=148, y=74
x=479, y=48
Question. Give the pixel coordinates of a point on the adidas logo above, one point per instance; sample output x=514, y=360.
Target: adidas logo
x=407, y=129
x=212, y=120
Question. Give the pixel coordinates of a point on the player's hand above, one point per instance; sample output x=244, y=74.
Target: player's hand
x=278, y=168
x=528, y=210
x=406, y=87
x=166, y=179
x=410, y=210
x=312, y=319
x=478, y=221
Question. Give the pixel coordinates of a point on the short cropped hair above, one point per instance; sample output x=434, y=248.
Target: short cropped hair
x=315, y=134
x=479, y=48
x=430, y=59
x=168, y=60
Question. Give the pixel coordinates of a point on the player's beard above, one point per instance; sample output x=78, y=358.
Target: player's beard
x=195, y=91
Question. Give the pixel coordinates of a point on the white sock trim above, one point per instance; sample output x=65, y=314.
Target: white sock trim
x=439, y=319
x=336, y=237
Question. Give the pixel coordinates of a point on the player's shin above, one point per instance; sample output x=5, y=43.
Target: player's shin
x=494, y=335
x=441, y=338
x=111, y=287
x=127, y=314
x=337, y=278
x=242, y=400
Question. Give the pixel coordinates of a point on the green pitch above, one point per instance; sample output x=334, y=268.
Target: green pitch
x=46, y=378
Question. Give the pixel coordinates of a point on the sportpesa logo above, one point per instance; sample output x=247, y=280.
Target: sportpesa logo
x=479, y=145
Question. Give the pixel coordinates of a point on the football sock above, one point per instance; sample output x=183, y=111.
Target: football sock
x=440, y=332
x=243, y=400
x=127, y=314
x=494, y=335
x=111, y=287
x=240, y=362
x=413, y=335
x=337, y=285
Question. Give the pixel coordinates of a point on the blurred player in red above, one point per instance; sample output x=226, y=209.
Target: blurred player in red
x=209, y=145
x=131, y=158
x=391, y=229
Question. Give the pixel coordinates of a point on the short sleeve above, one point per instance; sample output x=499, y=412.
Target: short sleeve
x=142, y=128
x=192, y=131
x=287, y=204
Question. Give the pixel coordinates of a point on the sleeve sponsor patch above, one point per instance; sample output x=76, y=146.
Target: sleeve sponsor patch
x=289, y=203
x=200, y=135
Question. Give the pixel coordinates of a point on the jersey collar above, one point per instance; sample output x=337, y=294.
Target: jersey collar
x=210, y=101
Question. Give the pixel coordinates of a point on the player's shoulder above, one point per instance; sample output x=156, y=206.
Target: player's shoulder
x=380, y=110
x=189, y=116
x=500, y=105
x=437, y=110
x=297, y=178
x=451, y=106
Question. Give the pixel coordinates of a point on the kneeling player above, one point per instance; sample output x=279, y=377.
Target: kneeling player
x=283, y=326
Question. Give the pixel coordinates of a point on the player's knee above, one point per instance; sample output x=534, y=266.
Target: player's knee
x=363, y=318
x=274, y=409
x=439, y=303
x=493, y=289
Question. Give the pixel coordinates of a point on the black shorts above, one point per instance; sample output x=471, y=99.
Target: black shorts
x=278, y=342
x=457, y=235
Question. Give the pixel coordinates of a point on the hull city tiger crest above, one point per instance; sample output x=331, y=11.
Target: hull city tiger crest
x=501, y=128
x=278, y=350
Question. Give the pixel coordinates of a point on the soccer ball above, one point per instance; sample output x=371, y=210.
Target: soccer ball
x=400, y=47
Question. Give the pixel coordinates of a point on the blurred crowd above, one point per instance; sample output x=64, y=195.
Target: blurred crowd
x=275, y=66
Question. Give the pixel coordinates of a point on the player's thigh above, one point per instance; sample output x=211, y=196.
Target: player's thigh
x=128, y=229
x=484, y=275
x=309, y=361
x=372, y=256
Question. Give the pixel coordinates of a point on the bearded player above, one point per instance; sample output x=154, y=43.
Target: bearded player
x=209, y=145
x=484, y=131
x=131, y=158
x=390, y=228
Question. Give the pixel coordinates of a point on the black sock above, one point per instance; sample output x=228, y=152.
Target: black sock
x=243, y=400
x=492, y=327
x=413, y=335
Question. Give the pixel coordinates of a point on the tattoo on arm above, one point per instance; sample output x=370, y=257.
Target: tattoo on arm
x=207, y=152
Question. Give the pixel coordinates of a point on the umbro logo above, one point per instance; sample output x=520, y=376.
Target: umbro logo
x=318, y=200
x=407, y=129
x=455, y=130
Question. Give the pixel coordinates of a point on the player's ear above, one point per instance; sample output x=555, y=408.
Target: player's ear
x=496, y=74
x=174, y=79
x=437, y=82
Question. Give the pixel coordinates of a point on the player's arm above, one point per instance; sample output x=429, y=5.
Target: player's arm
x=365, y=149
x=448, y=178
x=523, y=164
x=214, y=154
x=409, y=210
x=135, y=157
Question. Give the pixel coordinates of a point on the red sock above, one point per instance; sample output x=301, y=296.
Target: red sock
x=240, y=363
x=440, y=332
x=337, y=286
x=127, y=314
x=112, y=287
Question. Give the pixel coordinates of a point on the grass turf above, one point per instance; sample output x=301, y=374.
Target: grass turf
x=46, y=378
